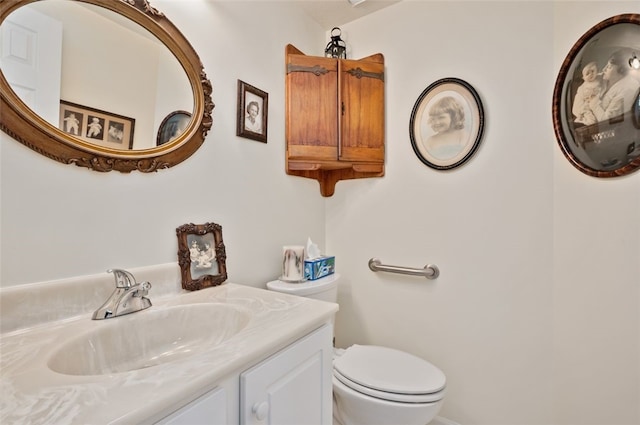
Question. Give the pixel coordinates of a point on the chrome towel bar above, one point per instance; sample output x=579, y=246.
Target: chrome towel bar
x=430, y=271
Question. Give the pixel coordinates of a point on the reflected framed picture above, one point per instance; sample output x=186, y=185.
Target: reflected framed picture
x=447, y=123
x=201, y=255
x=172, y=126
x=252, y=114
x=97, y=127
x=596, y=99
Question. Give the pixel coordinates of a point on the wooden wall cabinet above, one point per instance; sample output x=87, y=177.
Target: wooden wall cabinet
x=334, y=118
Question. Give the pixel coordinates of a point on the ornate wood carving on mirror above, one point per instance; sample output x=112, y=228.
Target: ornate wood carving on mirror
x=46, y=135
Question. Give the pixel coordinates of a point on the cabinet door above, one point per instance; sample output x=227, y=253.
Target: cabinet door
x=362, y=111
x=312, y=108
x=210, y=409
x=293, y=387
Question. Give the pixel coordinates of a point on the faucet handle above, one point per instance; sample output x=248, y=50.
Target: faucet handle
x=124, y=279
x=143, y=289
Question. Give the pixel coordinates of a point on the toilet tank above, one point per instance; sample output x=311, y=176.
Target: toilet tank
x=324, y=289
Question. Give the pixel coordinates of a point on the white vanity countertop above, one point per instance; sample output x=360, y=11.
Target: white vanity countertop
x=32, y=393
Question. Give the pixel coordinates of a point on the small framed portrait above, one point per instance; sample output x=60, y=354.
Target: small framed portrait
x=97, y=127
x=596, y=99
x=253, y=107
x=172, y=126
x=446, y=124
x=201, y=255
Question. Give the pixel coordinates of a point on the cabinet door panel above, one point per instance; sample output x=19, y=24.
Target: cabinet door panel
x=311, y=104
x=362, y=114
x=210, y=409
x=293, y=387
x=313, y=152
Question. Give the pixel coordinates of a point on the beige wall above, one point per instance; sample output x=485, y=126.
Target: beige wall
x=60, y=220
x=596, y=289
x=535, y=318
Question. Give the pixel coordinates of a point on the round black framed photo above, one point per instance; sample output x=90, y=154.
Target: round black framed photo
x=172, y=126
x=447, y=123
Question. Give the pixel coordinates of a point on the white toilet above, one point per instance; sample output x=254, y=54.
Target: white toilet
x=375, y=385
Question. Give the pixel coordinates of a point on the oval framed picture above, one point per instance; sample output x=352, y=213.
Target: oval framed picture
x=172, y=126
x=446, y=124
x=596, y=99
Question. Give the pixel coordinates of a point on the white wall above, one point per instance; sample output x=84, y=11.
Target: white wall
x=596, y=271
x=535, y=318
x=59, y=220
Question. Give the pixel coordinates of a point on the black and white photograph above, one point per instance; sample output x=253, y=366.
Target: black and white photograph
x=596, y=101
x=252, y=112
x=446, y=124
x=72, y=123
x=201, y=255
x=115, y=133
x=97, y=127
x=172, y=126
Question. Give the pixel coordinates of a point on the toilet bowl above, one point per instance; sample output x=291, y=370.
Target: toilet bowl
x=382, y=386
x=374, y=385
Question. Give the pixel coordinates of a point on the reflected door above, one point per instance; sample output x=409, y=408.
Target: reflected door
x=31, y=54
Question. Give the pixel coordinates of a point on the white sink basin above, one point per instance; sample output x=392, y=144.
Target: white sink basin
x=148, y=338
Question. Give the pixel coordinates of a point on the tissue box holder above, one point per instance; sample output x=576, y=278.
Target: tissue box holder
x=319, y=267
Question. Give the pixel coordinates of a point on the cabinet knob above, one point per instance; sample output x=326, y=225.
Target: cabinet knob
x=260, y=410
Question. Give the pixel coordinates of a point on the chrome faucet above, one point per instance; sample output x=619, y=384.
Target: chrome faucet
x=128, y=297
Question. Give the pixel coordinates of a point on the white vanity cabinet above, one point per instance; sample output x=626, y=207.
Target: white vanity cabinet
x=291, y=387
x=256, y=354
x=210, y=409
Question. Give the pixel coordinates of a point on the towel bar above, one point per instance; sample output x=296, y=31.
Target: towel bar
x=430, y=271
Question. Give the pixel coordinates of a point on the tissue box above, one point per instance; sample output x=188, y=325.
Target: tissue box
x=319, y=267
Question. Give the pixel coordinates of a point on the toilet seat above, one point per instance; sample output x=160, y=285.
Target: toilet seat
x=389, y=374
x=388, y=396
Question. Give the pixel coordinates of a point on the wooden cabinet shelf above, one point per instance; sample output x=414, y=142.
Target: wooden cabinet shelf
x=334, y=118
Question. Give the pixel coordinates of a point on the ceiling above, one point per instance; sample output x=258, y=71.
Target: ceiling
x=333, y=13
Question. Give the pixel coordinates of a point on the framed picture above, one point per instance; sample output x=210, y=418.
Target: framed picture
x=596, y=99
x=253, y=107
x=97, y=127
x=201, y=255
x=172, y=126
x=446, y=124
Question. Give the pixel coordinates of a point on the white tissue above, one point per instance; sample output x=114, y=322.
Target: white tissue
x=312, y=250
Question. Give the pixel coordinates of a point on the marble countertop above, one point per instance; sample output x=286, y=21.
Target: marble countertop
x=32, y=393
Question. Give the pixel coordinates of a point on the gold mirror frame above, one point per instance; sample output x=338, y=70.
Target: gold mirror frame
x=24, y=125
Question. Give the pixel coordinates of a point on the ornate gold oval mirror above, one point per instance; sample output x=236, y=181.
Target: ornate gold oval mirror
x=123, y=68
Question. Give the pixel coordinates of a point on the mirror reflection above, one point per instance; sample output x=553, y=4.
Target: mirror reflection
x=100, y=77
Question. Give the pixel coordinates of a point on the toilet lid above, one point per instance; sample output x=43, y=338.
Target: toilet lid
x=400, y=398
x=388, y=370
x=305, y=288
